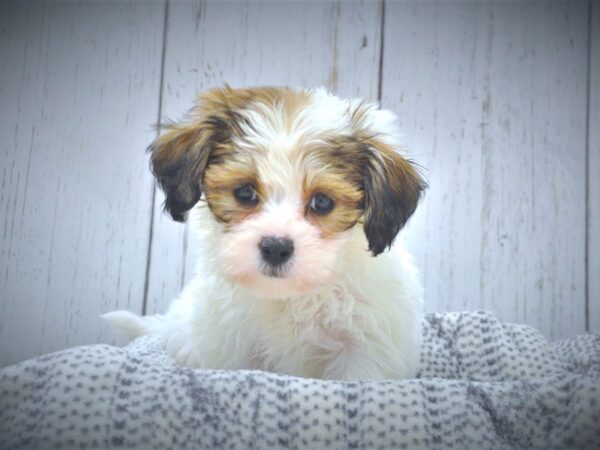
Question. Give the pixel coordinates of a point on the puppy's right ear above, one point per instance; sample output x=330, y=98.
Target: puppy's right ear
x=180, y=156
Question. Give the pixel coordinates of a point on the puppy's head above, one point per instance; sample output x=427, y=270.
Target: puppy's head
x=287, y=174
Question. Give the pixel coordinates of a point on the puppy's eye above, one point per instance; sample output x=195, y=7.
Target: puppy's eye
x=321, y=204
x=246, y=195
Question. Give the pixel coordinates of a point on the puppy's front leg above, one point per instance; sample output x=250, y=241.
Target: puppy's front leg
x=203, y=345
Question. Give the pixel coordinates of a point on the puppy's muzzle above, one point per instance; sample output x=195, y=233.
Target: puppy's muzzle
x=276, y=251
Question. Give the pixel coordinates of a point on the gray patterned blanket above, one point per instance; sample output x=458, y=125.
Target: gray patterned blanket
x=483, y=385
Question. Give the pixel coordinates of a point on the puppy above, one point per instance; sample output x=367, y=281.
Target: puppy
x=297, y=196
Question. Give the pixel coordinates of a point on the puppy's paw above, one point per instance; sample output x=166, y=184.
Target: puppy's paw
x=184, y=348
x=353, y=371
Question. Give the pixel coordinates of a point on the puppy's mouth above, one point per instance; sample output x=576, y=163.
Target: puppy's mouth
x=280, y=271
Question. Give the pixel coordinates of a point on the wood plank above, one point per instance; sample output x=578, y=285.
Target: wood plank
x=79, y=86
x=492, y=98
x=593, y=250
x=335, y=44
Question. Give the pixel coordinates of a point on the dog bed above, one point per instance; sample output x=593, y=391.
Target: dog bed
x=483, y=385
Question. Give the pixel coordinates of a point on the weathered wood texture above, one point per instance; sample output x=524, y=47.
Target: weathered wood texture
x=78, y=92
x=492, y=97
x=593, y=230
x=305, y=44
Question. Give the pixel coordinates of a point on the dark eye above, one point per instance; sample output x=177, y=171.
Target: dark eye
x=246, y=195
x=321, y=204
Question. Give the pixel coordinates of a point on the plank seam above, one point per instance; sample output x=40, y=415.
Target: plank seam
x=587, y=170
x=158, y=123
x=381, y=50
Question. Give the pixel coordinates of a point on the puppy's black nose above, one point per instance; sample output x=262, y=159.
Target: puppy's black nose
x=276, y=251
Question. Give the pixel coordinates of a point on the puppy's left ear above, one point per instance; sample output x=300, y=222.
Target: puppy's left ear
x=393, y=187
x=179, y=157
x=178, y=160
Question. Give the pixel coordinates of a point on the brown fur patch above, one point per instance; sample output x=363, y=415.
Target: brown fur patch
x=220, y=181
x=334, y=169
x=347, y=198
x=289, y=101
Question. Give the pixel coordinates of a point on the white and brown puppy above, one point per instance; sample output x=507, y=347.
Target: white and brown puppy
x=297, y=196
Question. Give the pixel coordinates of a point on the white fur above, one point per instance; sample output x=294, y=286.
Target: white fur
x=339, y=313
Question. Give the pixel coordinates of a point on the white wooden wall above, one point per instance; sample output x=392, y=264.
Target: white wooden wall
x=500, y=101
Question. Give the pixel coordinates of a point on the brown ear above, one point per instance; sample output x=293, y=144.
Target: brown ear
x=180, y=156
x=393, y=188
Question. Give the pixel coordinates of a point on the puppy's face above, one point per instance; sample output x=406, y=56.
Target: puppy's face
x=287, y=174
